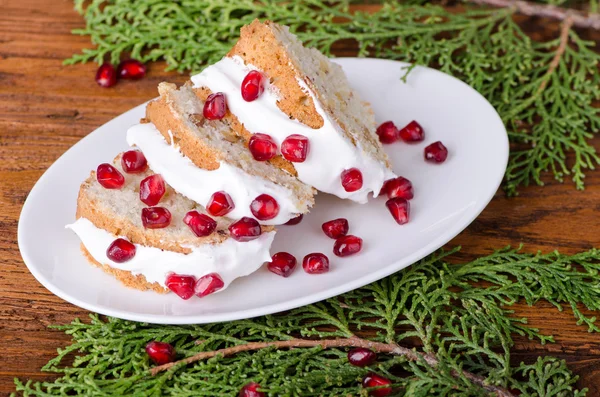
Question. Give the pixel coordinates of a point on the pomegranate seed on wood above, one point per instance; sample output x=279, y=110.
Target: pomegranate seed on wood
x=181, y=285
x=160, y=353
x=264, y=207
x=374, y=380
x=315, y=263
x=215, y=106
x=208, y=284
x=282, y=263
x=352, y=179
x=245, y=229
x=106, y=76
x=109, y=177
x=252, y=86
x=335, y=228
x=347, y=245
x=134, y=162
x=388, y=132
x=131, y=69
x=295, y=221
x=156, y=217
x=120, y=251
x=262, y=147
x=399, y=208
x=361, y=357
x=220, y=204
x=436, y=152
x=398, y=187
x=152, y=189
x=413, y=132
x=295, y=148
x=251, y=390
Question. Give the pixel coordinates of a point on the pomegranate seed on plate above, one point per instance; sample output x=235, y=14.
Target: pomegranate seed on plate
x=131, y=69
x=315, y=263
x=220, y=204
x=374, y=380
x=208, y=284
x=252, y=86
x=335, y=228
x=295, y=221
x=413, y=132
x=388, y=132
x=182, y=285
x=436, y=152
x=361, y=357
x=160, y=353
x=251, y=390
x=152, y=189
x=347, y=245
x=295, y=148
x=156, y=217
x=134, y=162
x=264, y=207
x=399, y=208
x=215, y=106
x=120, y=251
x=245, y=229
x=106, y=76
x=202, y=225
x=262, y=147
x=109, y=177
x=351, y=179
x=398, y=187
x=282, y=263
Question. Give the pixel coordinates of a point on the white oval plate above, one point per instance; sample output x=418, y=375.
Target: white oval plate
x=448, y=197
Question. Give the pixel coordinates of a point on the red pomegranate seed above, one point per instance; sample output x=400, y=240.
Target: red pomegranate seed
x=245, y=229
x=208, y=284
x=361, y=357
x=131, y=69
x=120, y=251
x=152, y=189
x=220, y=204
x=156, y=217
x=252, y=86
x=352, y=179
x=106, y=76
x=374, y=380
x=264, y=207
x=202, y=225
x=295, y=221
x=160, y=353
x=399, y=208
x=436, y=152
x=315, y=263
x=398, y=187
x=282, y=263
x=347, y=245
x=413, y=132
x=182, y=285
x=262, y=147
x=109, y=177
x=134, y=162
x=388, y=132
x=215, y=106
x=335, y=228
x=251, y=390
x=295, y=148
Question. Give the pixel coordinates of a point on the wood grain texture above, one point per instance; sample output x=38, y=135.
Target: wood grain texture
x=46, y=107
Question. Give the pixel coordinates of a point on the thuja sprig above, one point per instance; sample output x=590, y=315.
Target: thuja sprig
x=435, y=330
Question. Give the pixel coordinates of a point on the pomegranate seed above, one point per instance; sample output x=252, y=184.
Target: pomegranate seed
x=352, y=179
x=208, y=284
x=245, y=229
x=131, y=69
x=251, y=390
x=398, y=187
x=160, y=352
x=202, y=225
x=215, y=106
x=156, y=217
x=106, y=76
x=264, y=207
x=295, y=221
x=315, y=263
x=262, y=147
x=374, y=380
x=220, y=204
x=182, y=285
x=399, y=208
x=436, y=152
x=134, y=162
x=252, y=86
x=152, y=189
x=295, y=148
x=282, y=264
x=347, y=245
x=335, y=228
x=120, y=251
x=388, y=132
x=413, y=132
x=361, y=357
x=109, y=177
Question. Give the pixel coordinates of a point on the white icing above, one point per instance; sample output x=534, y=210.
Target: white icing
x=331, y=152
x=198, y=184
x=230, y=259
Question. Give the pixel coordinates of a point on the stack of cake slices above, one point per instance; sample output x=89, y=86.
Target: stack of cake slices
x=217, y=163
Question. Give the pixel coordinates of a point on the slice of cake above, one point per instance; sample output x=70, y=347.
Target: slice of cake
x=135, y=227
x=273, y=85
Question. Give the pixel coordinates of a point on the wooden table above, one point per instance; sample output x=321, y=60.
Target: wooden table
x=45, y=108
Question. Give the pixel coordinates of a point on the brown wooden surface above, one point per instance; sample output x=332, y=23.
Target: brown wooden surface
x=46, y=107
